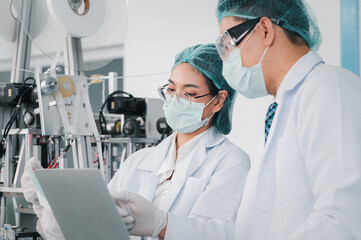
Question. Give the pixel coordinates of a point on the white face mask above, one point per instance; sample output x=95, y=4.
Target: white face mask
x=185, y=120
x=247, y=81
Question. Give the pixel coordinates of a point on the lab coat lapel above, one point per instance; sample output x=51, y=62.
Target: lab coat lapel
x=195, y=159
x=199, y=154
x=296, y=76
x=301, y=69
x=249, y=207
x=151, y=166
x=247, y=217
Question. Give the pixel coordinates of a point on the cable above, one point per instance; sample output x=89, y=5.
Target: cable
x=20, y=69
x=27, y=79
x=123, y=77
x=61, y=154
x=101, y=115
x=17, y=110
x=14, y=115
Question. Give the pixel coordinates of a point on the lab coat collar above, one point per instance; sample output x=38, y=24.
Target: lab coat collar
x=195, y=159
x=298, y=72
x=151, y=164
x=156, y=158
x=212, y=138
x=292, y=79
x=199, y=155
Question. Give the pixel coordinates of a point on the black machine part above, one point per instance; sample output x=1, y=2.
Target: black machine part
x=27, y=236
x=163, y=127
x=14, y=95
x=11, y=92
x=134, y=126
x=31, y=119
x=126, y=105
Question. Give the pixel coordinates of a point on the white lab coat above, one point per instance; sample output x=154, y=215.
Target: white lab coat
x=306, y=181
x=209, y=186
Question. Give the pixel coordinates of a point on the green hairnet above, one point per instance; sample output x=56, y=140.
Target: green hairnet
x=206, y=60
x=296, y=15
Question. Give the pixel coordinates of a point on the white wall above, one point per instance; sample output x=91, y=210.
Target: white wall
x=160, y=29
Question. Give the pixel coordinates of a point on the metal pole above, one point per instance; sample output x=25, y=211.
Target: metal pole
x=73, y=56
x=22, y=49
x=73, y=59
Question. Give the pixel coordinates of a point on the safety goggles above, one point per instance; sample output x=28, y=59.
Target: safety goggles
x=166, y=94
x=230, y=39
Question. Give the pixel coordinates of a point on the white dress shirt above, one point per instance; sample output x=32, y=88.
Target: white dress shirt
x=171, y=164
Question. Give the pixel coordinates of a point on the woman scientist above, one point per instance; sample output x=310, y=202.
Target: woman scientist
x=190, y=185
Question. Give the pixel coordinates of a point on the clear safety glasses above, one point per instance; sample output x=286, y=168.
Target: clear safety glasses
x=167, y=94
x=230, y=39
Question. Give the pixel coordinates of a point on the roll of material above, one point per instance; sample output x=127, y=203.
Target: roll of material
x=10, y=10
x=7, y=21
x=66, y=86
x=78, y=24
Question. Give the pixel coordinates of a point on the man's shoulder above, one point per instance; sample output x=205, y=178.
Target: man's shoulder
x=327, y=81
x=324, y=75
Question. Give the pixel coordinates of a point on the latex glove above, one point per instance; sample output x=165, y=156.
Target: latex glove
x=148, y=220
x=26, y=183
x=126, y=218
x=48, y=227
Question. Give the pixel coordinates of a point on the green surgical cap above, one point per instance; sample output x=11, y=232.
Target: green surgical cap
x=296, y=15
x=206, y=60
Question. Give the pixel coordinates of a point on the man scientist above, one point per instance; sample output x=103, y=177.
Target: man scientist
x=305, y=182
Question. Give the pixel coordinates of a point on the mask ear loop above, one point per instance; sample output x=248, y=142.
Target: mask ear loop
x=263, y=55
x=209, y=118
x=265, y=51
x=210, y=101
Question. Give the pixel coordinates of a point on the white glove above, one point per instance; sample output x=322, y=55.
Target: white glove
x=47, y=225
x=148, y=220
x=126, y=218
x=28, y=186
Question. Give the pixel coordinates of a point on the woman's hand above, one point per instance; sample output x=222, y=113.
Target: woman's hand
x=148, y=220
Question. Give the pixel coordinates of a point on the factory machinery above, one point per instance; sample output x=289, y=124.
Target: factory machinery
x=48, y=116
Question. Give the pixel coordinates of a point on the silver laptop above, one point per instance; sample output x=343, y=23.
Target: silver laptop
x=81, y=204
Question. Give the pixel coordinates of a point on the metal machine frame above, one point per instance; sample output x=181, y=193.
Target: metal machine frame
x=81, y=146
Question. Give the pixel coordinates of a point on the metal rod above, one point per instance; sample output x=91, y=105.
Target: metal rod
x=23, y=43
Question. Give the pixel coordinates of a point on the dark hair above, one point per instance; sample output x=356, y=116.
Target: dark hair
x=210, y=84
x=295, y=38
x=212, y=88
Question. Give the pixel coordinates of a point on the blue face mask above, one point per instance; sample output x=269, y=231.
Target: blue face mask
x=185, y=120
x=246, y=81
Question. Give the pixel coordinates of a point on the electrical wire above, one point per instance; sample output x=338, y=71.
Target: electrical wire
x=14, y=115
x=101, y=115
x=27, y=79
x=17, y=108
x=61, y=154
